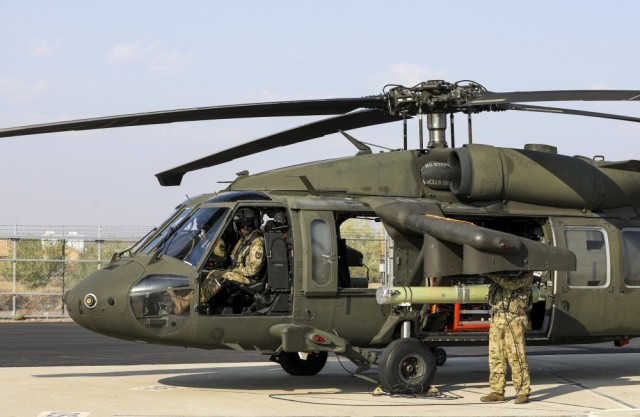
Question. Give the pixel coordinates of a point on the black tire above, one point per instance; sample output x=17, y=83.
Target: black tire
x=293, y=365
x=407, y=365
x=441, y=356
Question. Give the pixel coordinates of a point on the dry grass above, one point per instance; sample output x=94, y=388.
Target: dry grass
x=30, y=302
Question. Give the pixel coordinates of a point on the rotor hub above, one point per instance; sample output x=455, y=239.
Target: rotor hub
x=433, y=96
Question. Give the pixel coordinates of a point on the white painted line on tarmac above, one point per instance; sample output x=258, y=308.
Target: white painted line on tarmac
x=64, y=414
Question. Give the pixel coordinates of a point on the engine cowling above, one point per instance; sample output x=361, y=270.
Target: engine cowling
x=483, y=172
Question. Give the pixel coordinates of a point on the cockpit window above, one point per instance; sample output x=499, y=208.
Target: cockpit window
x=213, y=219
x=189, y=239
x=162, y=235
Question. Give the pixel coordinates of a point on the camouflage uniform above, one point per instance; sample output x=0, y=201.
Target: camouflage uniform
x=510, y=300
x=247, y=259
x=218, y=257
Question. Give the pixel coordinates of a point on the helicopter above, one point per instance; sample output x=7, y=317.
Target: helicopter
x=454, y=215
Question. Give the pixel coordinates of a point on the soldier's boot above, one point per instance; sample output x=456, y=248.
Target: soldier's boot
x=522, y=399
x=209, y=289
x=492, y=397
x=180, y=303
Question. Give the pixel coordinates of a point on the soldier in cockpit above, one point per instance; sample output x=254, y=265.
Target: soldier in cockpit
x=247, y=259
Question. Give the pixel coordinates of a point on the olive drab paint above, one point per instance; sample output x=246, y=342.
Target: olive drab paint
x=457, y=220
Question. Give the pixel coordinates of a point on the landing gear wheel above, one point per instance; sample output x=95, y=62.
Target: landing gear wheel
x=407, y=365
x=294, y=365
x=441, y=356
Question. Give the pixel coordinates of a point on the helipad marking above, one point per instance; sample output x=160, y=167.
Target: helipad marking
x=64, y=414
x=154, y=388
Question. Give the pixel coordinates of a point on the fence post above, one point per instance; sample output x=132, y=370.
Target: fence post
x=99, y=241
x=14, y=278
x=64, y=266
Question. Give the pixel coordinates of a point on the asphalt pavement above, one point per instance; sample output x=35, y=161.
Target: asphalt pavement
x=61, y=369
x=37, y=343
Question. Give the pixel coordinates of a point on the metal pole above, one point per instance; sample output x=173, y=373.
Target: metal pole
x=100, y=247
x=406, y=329
x=404, y=123
x=420, y=129
x=453, y=136
x=14, y=274
x=64, y=263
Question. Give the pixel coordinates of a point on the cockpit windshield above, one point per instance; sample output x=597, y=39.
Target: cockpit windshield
x=162, y=235
x=189, y=236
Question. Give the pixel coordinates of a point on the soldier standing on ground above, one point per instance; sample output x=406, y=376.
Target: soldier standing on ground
x=510, y=300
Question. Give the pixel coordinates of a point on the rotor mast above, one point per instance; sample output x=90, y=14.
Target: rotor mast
x=435, y=99
x=437, y=125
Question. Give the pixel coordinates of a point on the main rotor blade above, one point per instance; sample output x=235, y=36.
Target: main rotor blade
x=274, y=109
x=559, y=95
x=298, y=134
x=544, y=109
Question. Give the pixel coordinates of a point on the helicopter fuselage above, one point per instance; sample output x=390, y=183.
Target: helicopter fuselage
x=453, y=216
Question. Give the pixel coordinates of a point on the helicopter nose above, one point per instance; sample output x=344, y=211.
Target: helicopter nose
x=100, y=301
x=67, y=298
x=80, y=300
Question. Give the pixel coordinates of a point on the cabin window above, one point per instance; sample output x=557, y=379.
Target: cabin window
x=631, y=254
x=591, y=248
x=361, y=252
x=320, y=252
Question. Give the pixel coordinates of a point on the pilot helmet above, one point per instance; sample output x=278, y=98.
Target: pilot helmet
x=246, y=217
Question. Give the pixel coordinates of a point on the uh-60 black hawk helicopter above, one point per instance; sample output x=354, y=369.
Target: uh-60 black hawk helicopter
x=454, y=215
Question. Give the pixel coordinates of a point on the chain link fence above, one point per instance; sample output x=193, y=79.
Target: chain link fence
x=39, y=263
x=369, y=238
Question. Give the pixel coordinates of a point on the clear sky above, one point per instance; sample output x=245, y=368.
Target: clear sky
x=67, y=60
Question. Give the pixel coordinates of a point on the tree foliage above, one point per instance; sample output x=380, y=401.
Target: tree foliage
x=366, y=236
x=57, y=262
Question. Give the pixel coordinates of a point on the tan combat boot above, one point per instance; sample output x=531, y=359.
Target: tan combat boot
x=522, y=399
x=493, y=397
x=180, y=303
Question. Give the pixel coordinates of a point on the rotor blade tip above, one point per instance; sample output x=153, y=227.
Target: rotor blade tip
x=170, y=179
